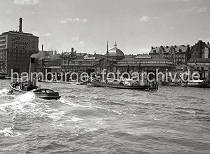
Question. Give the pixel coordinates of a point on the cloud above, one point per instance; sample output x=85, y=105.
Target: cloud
x=144, y=19
x=81, y=42
x=45, y=34
x=145, y=50
x=26, y=2
x=42, y=34
x=172, y=28
x=73, y=20
x=197, y=10
x=77, y=39
x=202, y=9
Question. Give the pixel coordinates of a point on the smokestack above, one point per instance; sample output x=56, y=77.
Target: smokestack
x=20, y=25
x=72, y=50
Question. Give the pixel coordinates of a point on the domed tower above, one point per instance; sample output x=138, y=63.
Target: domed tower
x=115, y=53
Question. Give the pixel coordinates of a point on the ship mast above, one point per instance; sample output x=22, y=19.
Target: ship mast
x=107, y=55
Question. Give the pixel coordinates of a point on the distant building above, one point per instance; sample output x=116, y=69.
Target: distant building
x=200, y=59
x=46, y=61
x=113, y=60
x=135, y=63
x=200, y=50
x=80, y=62
x=177, y=54
x=16, y=47
x=201, y=65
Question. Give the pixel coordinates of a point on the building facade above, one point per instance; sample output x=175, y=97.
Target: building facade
x=200, y=50
x=200, y=59
x=16, y=47
x=177, y=54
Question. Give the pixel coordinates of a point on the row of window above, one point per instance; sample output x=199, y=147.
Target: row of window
x=65, y=62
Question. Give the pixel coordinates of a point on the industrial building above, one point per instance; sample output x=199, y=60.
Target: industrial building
x=16, y=47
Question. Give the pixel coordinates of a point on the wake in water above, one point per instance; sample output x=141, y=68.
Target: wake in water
x=19, y=102
x=9, y=132
x=4, y=92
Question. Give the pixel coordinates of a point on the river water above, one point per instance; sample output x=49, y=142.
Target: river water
x=104, y=120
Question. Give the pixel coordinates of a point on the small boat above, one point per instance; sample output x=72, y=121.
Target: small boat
x=197, y=83
x=3, y=75
x=46, y=94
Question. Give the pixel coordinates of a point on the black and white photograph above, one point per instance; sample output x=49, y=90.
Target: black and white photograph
x=104, y=77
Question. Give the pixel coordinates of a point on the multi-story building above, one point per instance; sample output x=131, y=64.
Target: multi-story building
x=200, y=59
x=16, y=47
x=200, y=50
x=177, y=54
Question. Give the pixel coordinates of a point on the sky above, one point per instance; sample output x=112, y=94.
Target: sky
x=86, y=25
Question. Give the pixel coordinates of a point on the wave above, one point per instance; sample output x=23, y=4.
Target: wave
x=19, y=104
x=4, y=92
x=9, y=132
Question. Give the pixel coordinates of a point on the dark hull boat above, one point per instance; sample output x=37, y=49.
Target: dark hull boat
x=47, y=94
x=197, y=83
x=3, y=75
x=146, y=87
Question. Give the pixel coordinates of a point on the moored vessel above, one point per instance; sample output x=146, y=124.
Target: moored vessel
x=197, y=83
x=125, y=84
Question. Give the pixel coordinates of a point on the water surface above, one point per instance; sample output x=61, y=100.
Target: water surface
x=105, y=120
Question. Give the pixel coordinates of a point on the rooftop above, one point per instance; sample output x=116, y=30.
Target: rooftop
x=18, y=33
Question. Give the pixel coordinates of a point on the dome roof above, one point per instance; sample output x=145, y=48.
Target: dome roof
x=116, y=53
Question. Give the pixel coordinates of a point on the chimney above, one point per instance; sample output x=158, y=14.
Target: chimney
x=42, y=47
x=72, y=50
x=20, y=25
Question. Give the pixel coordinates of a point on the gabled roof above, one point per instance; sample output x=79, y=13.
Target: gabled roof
x=168, y=49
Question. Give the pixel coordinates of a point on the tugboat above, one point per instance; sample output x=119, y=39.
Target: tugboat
x=30, y=85
x=23, y=87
